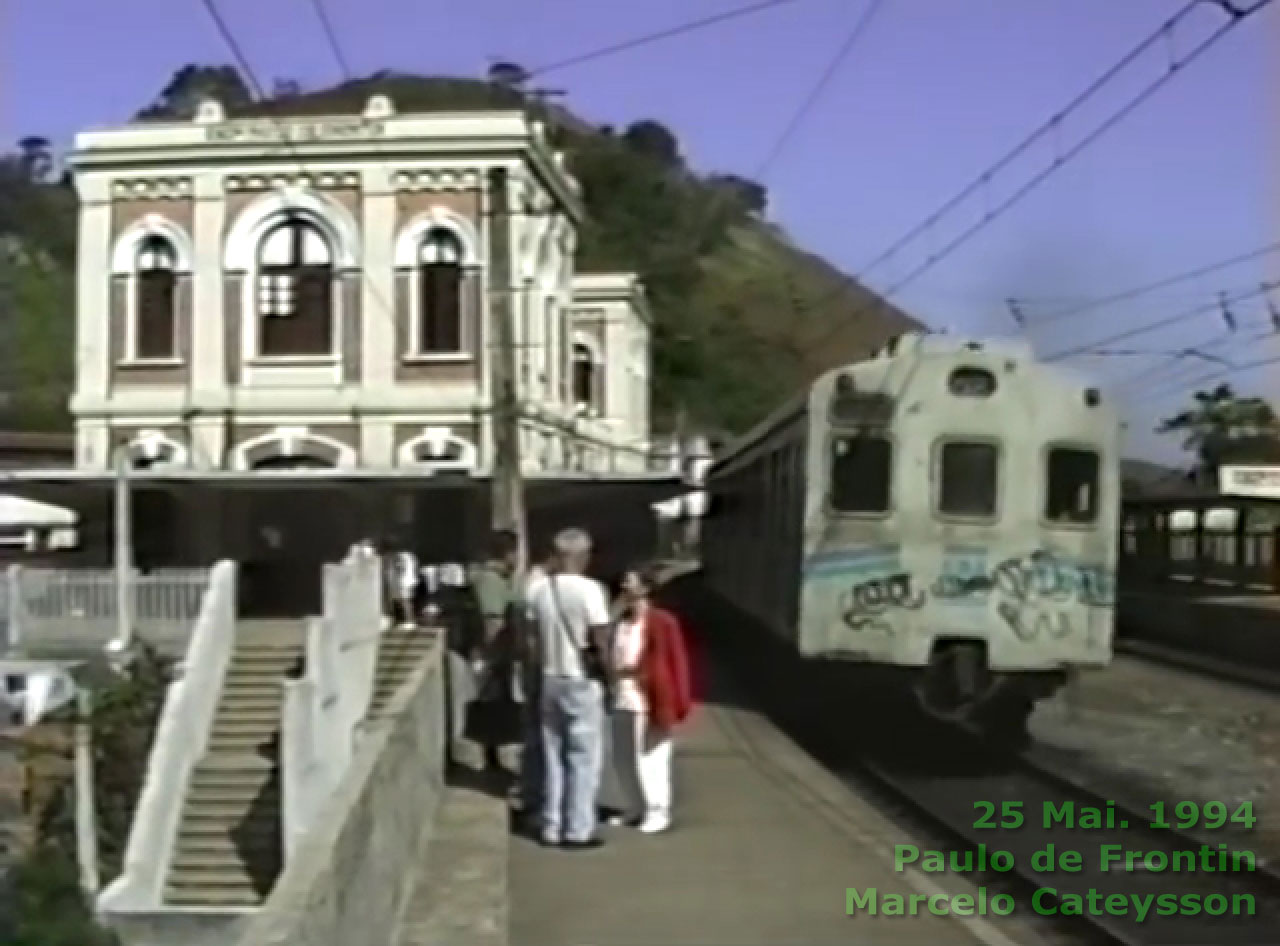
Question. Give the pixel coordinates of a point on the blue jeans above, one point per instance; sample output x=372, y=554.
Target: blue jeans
x=572, y=746
x=532, y=776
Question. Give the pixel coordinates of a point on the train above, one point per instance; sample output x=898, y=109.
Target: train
x=944, y=515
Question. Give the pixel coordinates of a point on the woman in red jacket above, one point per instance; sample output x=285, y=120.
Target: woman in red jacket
x=652, y=697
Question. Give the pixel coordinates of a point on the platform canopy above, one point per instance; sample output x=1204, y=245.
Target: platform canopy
x=19, y=513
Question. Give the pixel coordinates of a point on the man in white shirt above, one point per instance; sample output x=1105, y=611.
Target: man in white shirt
x=571, y=614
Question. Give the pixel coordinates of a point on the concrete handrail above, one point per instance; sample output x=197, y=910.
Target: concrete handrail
x=350, y=876
x=322, y=712
x=180, y=741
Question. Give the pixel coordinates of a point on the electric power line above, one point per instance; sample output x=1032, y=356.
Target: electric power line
x=331, y=36
x=1208, y=378
x=1135, y=292
x=649, y=38
x=1160, y=323
x=1049, y=129
x=846, y=47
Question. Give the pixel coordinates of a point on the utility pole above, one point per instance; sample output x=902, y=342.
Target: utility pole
x=507, y=510
x=124, y=554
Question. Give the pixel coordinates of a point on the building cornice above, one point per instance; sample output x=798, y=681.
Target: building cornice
x=165, y=150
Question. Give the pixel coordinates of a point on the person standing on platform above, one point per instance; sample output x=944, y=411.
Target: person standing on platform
x=404, y=586
x=495, y=660
x=653, y=697
x=571, y=612
x=527, y=796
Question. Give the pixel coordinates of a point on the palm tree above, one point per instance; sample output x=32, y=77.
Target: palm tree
x=1219, y=421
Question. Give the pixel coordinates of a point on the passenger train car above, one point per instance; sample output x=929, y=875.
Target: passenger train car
x=945, y=513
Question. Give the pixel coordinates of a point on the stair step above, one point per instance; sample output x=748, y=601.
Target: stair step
x=228, y=891
x=248, y=847
x=245, y=797
x=194, y=866
x=239, y=722
x=231, y=814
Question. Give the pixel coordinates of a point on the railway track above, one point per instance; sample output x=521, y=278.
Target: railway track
x=1260, y=678
x=945, y=794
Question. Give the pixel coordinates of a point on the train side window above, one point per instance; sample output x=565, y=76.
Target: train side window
x=861, y=468
x=969, y=479
x=1071, y=489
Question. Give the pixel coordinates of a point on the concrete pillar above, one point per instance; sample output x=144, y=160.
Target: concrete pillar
x=377, y=284
x=93, y=269
x=377, y=444
x=208, y=332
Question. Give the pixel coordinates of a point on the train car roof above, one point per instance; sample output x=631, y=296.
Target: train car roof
x=909, y=344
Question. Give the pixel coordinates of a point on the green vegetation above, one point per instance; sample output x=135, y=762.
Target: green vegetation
x=1222, y=427
x=743, y=317
x=47, y=905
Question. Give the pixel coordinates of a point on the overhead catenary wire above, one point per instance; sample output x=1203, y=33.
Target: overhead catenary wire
x=851, y=39
x=1160, y=323
x=1049, y=130
x=331, y=36
x=649, y=38
x=1135, y=292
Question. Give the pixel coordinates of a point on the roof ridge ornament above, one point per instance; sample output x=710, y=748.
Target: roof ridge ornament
x=378, y=107
x=210, y=112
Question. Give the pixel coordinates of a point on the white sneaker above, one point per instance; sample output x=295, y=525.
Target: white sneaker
x=655, y=823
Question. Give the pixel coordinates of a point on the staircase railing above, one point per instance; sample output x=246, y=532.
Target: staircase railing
x=180, y=741
x=322, y=710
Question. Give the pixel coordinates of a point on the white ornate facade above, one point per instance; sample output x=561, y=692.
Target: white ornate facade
x=273, y=293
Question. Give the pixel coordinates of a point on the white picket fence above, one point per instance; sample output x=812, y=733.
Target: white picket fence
x=69, y=611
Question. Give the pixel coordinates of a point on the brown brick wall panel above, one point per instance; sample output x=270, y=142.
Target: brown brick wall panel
x=455, y=372
x=232, y=303
x=127, y=211
x=122, y=374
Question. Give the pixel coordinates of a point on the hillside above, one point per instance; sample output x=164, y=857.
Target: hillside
x=742, y=316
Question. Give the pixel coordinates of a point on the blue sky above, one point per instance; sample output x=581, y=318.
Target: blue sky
x=932, y=95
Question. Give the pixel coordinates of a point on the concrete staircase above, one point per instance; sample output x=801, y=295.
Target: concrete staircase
x=228, y=851
x=399, y=653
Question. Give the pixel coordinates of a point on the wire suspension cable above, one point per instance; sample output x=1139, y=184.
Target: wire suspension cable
x=993, y=212
x=846, y=47
x=668, y=33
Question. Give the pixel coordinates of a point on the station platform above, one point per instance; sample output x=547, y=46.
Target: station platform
x=1214, y=623
x=763, y=846
x=765, y=843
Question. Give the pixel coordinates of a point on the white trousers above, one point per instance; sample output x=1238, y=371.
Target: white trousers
x=641, y=759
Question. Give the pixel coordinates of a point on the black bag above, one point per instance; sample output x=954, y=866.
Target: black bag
x=594, y=664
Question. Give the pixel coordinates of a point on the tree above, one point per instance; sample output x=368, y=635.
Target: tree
x=654, y=140
x=508, y=73
x=191, y=85
x=753, y=197
x=1221, y=422
x=36, y=157
x=286, y=88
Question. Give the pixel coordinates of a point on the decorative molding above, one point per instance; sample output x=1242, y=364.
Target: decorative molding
x=151, y=188
x=290, y=442
x=323, y=180
x=437, y=179
x=445, y=450
x=334, y=221
x=153, y=446
x=124, y=253
x=413, y=232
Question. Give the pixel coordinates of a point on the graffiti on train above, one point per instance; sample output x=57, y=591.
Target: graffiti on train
x=1038, y=577
x=865, y=605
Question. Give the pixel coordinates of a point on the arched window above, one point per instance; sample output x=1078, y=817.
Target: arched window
x=584, y=378
x=439, y=293
x=155, y=314
x=295, y=291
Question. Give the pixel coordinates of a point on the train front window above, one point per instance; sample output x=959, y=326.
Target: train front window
x=860, y=473
x=969, y=482
x=1071, y=488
